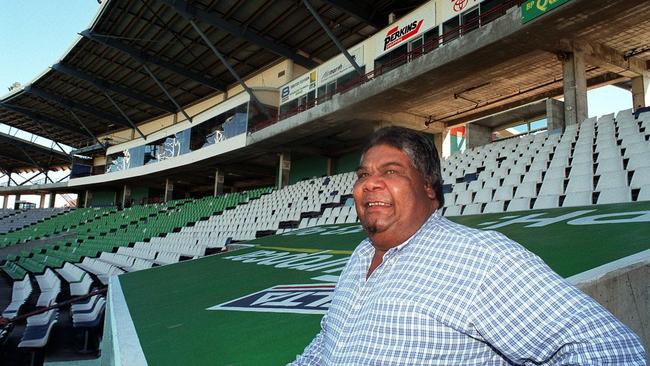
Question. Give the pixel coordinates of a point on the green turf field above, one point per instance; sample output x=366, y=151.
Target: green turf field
x=254, y=323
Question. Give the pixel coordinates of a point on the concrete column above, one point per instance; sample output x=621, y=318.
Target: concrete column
x=126, y=196
x=477, y=135
x=330, y=166
x=88, y=196
x=41, y=203
x=218, y=182
x=641, y=91
x=554, y=114
x=53, y=200
x=169, y=189
x=575, y=88
x=5, y=201
x=284, y=168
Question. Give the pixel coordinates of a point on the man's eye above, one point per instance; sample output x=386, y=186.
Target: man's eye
x=391, y=171
x=362, y=175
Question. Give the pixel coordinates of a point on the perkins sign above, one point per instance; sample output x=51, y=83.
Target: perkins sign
x=405, y=29
x=398, y=35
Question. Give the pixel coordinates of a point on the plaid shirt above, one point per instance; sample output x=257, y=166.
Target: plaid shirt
x=459, y=296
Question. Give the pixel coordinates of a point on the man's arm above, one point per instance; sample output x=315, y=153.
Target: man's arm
x=311, y=356
x=530, y=314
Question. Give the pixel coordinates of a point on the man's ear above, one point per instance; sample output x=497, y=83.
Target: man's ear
x=431, y=193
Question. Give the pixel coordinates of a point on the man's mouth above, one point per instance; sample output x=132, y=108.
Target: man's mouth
x=376, y=203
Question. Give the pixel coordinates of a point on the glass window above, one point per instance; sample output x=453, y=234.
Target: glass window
x=431, y=40
x=450, y=29
x=416, y=47
x=470, y=20
x=391, y=60
x=492, y=9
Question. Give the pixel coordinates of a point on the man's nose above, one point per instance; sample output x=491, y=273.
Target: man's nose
x=373, y=182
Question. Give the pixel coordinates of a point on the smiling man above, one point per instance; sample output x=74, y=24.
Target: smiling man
x=422, y=290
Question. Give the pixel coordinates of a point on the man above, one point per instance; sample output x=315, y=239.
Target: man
x=422, y=290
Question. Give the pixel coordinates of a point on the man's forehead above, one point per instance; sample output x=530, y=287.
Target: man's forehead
x=385, y=155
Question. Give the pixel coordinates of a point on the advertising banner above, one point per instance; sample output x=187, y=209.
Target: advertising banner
x=532, y=9
x=406, y=28
x=450, y=8
x=298, y=87
x=338, y=66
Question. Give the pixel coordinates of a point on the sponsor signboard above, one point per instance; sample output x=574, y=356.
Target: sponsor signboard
x=298, y=87
x=338, y=66
x=532, y=9
x=299, y=299
x=406, y=29
x=450, y=8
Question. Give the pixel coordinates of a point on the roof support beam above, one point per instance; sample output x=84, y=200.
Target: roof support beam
x=143, y=58
x=70, y=104
x=231, y=70
x=357, y=10
x=74, y=115
x=167, y=93
x=333, y=37
x=106, y=86
x=600, y=54
x=36, y=116
x=38, y=166
x=32, y=177
x=61, y=180
x=17, y=159
x=192, y=13
x=125, y=116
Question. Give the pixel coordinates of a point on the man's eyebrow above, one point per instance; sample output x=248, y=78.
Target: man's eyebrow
x=384, y=165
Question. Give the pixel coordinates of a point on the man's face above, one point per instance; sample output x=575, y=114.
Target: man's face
x=391, y=196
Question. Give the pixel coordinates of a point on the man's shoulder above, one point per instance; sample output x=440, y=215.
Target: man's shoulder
x=488, y=242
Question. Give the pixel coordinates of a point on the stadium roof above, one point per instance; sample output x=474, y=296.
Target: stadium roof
x=21, y=155
x=143, y=59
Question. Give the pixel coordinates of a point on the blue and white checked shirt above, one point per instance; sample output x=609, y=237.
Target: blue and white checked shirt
x=459, y=296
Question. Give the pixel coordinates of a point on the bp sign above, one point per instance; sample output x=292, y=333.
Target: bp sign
x=532, y=9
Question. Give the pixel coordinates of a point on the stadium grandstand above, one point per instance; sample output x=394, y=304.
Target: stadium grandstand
x=214, y=148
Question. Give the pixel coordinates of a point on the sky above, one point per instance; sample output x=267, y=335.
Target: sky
x=35, y=34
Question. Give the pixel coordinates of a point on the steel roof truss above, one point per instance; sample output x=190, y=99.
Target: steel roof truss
x=32, y=177
x=106, y=86
x=124, y=115
x=143, y=57
x=74, y=115
x=36, y=116
x=75, y=105
x=357, y=10
x=162, y=87
x=230, y=69
x=333, y=37
x=192, y=13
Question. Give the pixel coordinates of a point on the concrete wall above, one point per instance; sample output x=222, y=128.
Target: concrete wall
x=477, y=135
x=315, y=166
x=347, y=162
x=554, y=114
x=623, y=287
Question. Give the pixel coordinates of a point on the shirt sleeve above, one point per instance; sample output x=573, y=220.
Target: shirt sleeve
x=531, y=315
x=311, y=356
